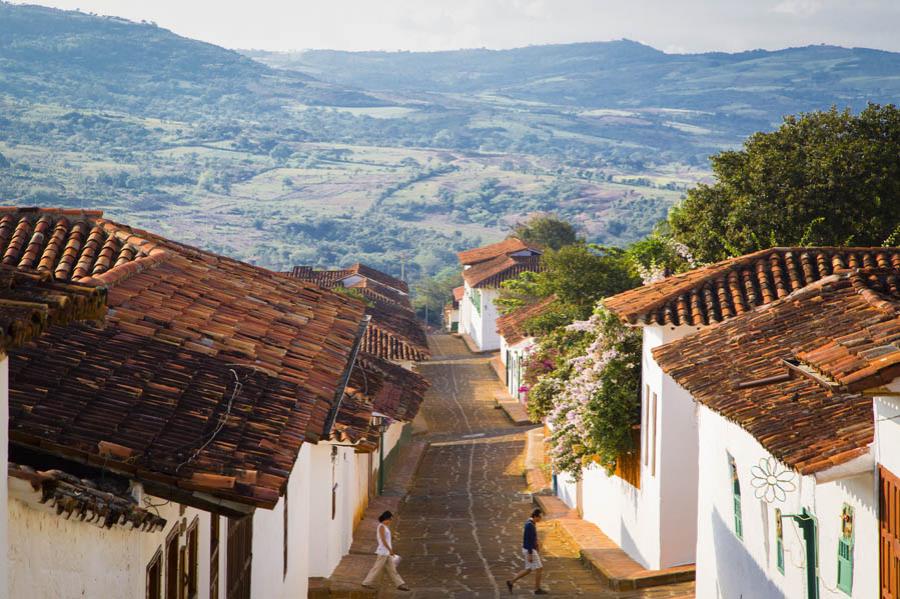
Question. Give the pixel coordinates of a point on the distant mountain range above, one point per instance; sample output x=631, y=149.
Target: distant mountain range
x=327, y=158
x=756, y=87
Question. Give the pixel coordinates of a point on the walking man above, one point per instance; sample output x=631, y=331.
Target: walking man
x=532, y=557
x=386, y=558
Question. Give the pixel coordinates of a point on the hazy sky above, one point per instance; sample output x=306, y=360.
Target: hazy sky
x=671, y=25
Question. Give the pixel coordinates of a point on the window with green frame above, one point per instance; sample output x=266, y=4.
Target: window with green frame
x=475, y=297
x=736, y=492
x=779, y=541
x=845, y=551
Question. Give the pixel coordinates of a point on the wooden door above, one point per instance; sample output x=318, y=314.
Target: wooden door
x=240, y=557
x=889, y=518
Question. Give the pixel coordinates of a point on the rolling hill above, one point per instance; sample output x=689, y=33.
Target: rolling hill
x=326, y=158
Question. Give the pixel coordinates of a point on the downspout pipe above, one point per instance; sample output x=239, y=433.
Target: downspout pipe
x=345, y=378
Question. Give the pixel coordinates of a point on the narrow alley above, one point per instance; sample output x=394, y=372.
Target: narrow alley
x=460, y=530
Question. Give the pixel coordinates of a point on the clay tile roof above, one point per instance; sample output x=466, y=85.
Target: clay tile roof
x=394, y=332
x=493, y=272
x=206, y=377
x=84, y=500
x=376, y=292
x=513, y=326
x=329, y=278
x=726, y=289
x=807, y=420
x=459, y=293
x=30, y=303
x=508, y=246
x=379, y=277
x=402, y=392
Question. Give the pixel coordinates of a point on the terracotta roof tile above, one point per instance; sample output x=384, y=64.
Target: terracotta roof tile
x=512, y=327
x=502, y=268
x=30, y=303
x=394, y=332
x=459, y=293
x=84, y=500
x=506, y=247
x=402, y=392
x=207, y=375
x=328, y=278
x=830, y=332
x=723, y=290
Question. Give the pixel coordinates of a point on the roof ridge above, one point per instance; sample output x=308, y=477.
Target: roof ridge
x=719, y=291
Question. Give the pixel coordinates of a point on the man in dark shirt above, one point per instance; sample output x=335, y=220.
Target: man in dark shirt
x=532, y=557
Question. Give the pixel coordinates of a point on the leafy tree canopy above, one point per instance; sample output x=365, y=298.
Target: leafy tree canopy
x=579, y=275
x=546, y=230
x=822, y=178
x=429, y=296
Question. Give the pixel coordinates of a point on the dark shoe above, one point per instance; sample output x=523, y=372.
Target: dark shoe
x=541, y=592
x=403, y=587
x=509, y=586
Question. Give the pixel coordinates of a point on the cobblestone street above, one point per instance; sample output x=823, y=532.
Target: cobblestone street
x=460, y=531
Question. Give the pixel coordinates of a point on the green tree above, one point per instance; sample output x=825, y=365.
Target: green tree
x=432, y=294
x=822, y=178
x=580, y=275
x=546, y=230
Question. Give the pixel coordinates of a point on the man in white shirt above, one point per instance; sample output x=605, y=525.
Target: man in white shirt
x=386, y=558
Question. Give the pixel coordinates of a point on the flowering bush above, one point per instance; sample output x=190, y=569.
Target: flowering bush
x=547, y=367
x=594, y=396
x=657, y=257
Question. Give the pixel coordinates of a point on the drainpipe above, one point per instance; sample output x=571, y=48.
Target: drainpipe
x=345, y=379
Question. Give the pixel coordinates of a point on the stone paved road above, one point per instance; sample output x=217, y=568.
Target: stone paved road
x=460, y=531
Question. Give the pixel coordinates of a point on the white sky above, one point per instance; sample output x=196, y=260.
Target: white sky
x=671, y=25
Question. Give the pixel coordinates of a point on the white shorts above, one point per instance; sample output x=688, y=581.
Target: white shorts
x=535, y=563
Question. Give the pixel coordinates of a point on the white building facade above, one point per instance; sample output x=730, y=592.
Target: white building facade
x=652, y=518
x=484, y=269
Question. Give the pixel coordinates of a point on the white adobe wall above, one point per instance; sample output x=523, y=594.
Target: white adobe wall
x=887, y=429
x=333, y=535
x=730, y=567
x=488, y=339
x=465, y=311
x=268, y=578
x=656, y=524
x=50, y=556
x=518, y=352
x=481, y=327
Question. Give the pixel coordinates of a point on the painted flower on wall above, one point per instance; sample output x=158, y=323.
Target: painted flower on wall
x=771, y=481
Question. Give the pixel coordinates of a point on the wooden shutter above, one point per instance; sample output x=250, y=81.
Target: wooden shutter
x=240, y=557
x=154, y=576
x=845, y=551
x=214, y=556
x=779, y=541
x=172, y=564
x=628, y=465
x=736, y=490
x=889, y=520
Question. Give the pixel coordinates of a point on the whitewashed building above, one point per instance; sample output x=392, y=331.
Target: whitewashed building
x=484, y=269
x=517, y=342
x=789, y=495
x=451, y=310
x=152, y=454
x=650, y=508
